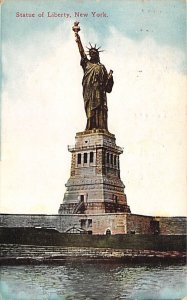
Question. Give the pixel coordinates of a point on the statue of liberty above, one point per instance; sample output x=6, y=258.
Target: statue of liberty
x=96, y=83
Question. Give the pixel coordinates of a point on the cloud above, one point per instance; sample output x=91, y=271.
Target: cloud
x=43, y=109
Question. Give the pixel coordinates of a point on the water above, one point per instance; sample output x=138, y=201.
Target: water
x=88, y=281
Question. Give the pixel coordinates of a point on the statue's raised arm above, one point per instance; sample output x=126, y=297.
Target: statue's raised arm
x=76, y=29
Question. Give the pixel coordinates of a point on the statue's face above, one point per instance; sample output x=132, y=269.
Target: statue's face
x=94, y=55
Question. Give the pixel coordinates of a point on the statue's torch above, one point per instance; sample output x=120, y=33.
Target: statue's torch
x=76, y=29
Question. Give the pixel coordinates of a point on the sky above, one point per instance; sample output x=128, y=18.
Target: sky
x=42, y=106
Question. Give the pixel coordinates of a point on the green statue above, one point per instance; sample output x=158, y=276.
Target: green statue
x=96, y=83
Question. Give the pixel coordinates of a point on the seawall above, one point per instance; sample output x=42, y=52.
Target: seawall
x=34, y=245
x=21, y=254
x=51, y=237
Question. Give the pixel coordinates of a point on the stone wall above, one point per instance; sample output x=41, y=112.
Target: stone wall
x=96, y=224
x=171, y=225
x=138, y=224
x=115, y=223
x=27, y=220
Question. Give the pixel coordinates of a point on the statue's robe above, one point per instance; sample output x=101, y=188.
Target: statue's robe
x=95, y=85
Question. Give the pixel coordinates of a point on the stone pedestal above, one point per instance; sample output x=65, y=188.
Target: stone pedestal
x=94, y=185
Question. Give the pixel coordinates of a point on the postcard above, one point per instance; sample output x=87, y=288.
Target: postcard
x=43, y=107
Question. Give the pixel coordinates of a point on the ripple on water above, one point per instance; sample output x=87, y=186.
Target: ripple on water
x=79, y=281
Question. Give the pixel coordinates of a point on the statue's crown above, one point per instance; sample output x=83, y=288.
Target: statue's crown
x=94, y=48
